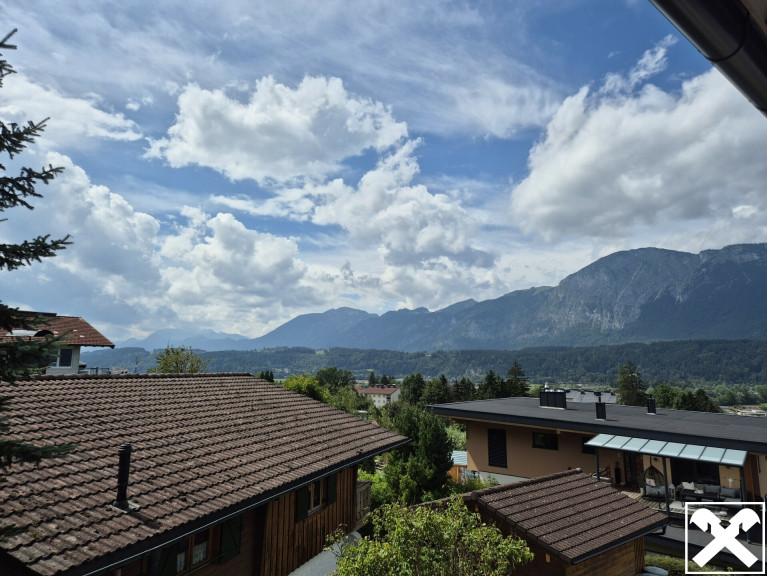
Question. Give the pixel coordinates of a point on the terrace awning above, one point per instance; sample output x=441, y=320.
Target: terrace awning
x=712, y=454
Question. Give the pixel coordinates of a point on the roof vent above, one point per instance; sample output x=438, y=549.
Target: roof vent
x=554, y=399
x=651, y=405
x=601, y=410
x=123, y=474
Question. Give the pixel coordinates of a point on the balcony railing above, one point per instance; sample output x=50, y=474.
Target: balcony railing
x=363, y=503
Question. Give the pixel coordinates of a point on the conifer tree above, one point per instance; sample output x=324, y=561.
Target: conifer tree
x=631, y=387
x=517, y=381
x=21, y=358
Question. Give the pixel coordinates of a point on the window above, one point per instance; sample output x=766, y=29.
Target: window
x=220, y=543
x=63, y=359
x=545, y=440
x=315, y=495
x=587, y=449
x=192, y=552
x=496, y=448
x=200, y=547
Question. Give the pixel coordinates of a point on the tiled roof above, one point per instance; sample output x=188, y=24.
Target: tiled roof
x=569, y=514
x=204, y=445
x=377, y=390
x=80, y=332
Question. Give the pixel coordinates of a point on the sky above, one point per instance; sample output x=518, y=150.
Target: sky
x=232, y=165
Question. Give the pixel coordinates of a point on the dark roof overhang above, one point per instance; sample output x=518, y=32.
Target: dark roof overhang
x=731, y=34
x=549, y=418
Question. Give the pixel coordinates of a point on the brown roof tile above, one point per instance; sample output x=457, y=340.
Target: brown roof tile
x=569, y=514
x=201, y=443
x=384, y=390
x=80, y=333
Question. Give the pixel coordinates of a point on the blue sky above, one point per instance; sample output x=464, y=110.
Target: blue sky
x=233, y=165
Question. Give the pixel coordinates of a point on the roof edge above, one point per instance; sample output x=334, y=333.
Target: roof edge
x=159, y=541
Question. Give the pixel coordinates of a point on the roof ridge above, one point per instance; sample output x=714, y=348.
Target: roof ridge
x=132, y=376
x=476, y=494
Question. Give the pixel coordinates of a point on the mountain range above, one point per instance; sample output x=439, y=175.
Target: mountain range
x=641, y=295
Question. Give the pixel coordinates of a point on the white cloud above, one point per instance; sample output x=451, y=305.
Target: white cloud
x=419, y=59
x=222, y=274
x=406, y=221
x=111, y=241
x=651, y=63
x=73, y=121
x=618, y=166
x=121, y=263
x=280, y=134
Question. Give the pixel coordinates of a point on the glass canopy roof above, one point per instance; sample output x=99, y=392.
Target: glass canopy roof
x=713, y=454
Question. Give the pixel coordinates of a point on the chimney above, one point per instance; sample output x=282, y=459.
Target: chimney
x=651, y=405
x=553, y=399
x=601, y=410
x=123, y=473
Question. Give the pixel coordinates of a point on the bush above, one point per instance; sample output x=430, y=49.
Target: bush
x=675, y=566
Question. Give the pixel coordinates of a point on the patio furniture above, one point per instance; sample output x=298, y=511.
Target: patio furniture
x=654, y=484
x=691, y=492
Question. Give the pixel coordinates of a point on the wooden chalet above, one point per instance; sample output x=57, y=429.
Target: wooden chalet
x=211, y=474
x=573, y=524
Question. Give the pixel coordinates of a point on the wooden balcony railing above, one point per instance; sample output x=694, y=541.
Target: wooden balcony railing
x=363, y=502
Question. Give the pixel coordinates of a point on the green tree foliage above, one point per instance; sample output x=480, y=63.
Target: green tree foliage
x=181, y=360
x=412, y=388
x=698, y=401
x=418, y=471
x=457, y=435
x=267, y=375
x=372, y=380
x=436, y=391
x=334, y=379
x=307, y=385
x=667, y=396
x=492, y=386
x=517, y=381
x=380, y=493
x=20, y=359
x=631, y=388
x=725, y=364
x=448, y=540
x=348, y=400
x=464, y=390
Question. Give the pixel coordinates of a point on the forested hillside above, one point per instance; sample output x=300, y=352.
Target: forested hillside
x=693, y=362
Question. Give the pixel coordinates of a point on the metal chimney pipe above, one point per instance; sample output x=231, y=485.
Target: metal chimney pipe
x=650, y=405
x=601, y=410
x=123, y=474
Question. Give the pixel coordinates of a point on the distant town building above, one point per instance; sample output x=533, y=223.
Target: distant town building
x=379, y=395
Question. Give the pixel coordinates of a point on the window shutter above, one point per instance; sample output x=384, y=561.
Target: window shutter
x=302, y=503
x=231, y=538
x=167, y=562
x=332, y=488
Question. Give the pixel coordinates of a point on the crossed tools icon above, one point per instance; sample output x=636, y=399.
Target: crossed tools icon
x=706, y=520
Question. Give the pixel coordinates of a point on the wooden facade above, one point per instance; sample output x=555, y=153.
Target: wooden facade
x=288, y=543
x=272, y=540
